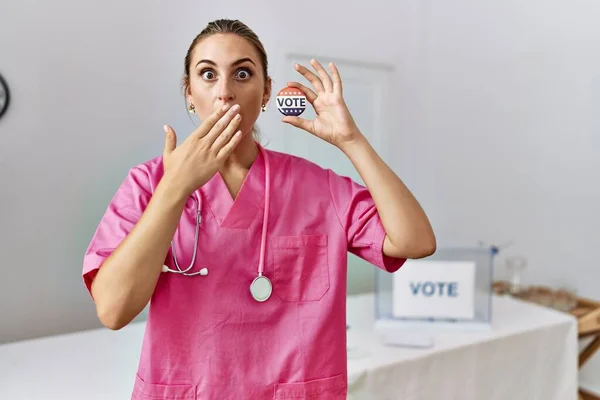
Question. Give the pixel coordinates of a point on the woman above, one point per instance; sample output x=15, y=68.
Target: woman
x=265, y=236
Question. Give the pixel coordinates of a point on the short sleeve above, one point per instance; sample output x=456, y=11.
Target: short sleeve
x=123, y=212
x=358, y=215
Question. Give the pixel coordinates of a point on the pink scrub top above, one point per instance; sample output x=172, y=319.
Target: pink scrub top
x=206, y=337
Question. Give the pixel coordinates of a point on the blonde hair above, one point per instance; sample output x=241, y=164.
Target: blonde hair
x=224, y=26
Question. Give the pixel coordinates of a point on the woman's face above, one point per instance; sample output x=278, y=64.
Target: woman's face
x=226, y=69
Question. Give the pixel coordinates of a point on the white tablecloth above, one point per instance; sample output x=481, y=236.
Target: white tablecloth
x=531, y=353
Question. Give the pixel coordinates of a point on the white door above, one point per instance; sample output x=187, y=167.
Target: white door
x=366, y=93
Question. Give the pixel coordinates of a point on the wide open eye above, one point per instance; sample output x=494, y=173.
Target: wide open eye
x=243, y=74
x=208, y=74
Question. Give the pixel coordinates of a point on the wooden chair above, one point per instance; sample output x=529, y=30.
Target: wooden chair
x=588, y=314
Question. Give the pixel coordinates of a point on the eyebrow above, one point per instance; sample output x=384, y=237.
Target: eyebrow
x=238, y=62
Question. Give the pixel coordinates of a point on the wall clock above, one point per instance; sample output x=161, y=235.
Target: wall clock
x=4, y=96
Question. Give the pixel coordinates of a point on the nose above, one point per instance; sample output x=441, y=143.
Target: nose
x=226, y=93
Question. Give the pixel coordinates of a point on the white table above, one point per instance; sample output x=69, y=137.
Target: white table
x=531, y=353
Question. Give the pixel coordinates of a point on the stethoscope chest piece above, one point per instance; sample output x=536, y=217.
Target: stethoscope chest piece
x=261, y=288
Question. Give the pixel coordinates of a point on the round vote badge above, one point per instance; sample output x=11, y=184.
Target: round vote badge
x=291, y=101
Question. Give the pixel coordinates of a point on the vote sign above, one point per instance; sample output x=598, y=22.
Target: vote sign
x=435, y=289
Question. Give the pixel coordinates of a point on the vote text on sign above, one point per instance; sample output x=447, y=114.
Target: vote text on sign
x=436, y=289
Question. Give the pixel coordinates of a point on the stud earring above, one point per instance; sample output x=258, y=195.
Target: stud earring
x=264, y=108
x=192, y=109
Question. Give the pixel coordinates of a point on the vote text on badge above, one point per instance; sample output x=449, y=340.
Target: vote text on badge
x=291, y=101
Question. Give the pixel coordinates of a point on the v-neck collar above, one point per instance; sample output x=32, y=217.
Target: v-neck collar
x=238, y=213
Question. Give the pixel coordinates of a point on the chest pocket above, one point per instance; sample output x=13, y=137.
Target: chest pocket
x=301, y=267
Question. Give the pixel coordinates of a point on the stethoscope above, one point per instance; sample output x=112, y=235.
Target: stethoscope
x=261, y=287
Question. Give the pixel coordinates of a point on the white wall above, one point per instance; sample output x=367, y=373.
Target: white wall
x=497, y=130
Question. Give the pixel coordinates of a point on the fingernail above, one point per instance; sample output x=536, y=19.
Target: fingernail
x=166, y=128
x=225, y=107
x=235, y=108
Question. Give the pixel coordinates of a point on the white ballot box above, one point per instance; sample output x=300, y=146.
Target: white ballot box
x=450, y=289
